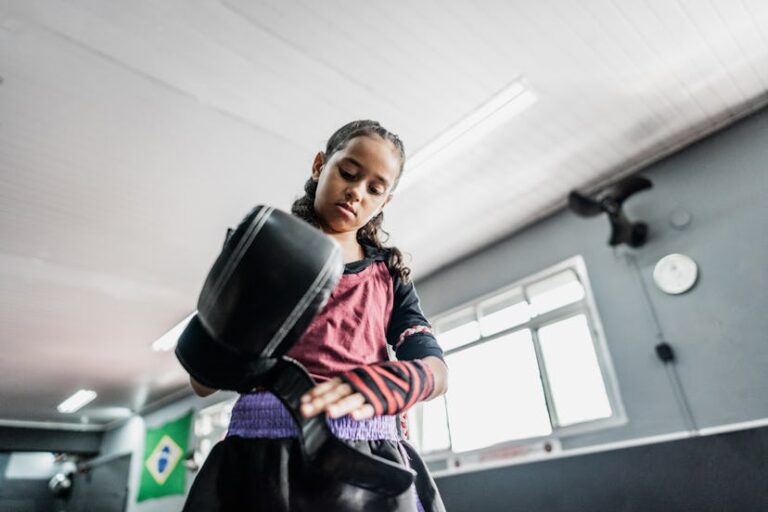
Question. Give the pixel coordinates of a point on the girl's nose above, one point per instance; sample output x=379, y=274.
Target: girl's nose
x=353, y=192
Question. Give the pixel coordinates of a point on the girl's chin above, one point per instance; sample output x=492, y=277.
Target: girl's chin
x=340, y=226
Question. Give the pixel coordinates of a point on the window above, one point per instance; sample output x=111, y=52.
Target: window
x=211, y=426
x=528, y=364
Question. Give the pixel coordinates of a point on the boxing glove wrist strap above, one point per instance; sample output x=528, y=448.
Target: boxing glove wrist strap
x=392, y=386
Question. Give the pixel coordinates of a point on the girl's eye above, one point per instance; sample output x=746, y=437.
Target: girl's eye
x=346, y=175
x=377, y=191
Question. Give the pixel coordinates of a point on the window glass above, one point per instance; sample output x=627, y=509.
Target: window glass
x=434, y=426
x=495, y=393
x=573, y=371
x=555, y=291
x=503, y=312
x=458, y=330
x=211, y=426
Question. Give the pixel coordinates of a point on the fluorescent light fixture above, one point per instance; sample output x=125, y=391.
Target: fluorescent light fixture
x=76, y=401
x=168, y=340
x=492, y=114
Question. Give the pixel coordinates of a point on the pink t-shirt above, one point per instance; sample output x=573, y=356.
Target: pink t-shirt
x=351, y=329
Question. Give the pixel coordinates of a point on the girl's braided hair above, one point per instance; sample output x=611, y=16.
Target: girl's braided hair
x=304, y=207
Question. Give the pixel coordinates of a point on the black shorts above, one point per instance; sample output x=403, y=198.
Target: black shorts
x=256, y=474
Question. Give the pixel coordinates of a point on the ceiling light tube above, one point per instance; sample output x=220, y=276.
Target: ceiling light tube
x=492, y=114
x=76, y=401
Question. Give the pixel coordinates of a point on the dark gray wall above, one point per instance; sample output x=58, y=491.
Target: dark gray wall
x=719, y=329
x=17, y=439
x=28, y=495
x=23, y=495
x=102, y=488
x=717, y=473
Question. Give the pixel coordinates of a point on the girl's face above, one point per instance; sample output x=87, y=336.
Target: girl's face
x=354, y=185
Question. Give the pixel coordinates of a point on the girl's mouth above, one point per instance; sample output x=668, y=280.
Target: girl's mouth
x=346, y=211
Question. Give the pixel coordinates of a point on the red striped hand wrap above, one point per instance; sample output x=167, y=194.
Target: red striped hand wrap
x=393, y=386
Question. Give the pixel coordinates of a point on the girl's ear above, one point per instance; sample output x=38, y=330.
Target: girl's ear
x=317, y=165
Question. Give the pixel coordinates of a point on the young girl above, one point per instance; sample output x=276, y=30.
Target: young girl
x=344, y=348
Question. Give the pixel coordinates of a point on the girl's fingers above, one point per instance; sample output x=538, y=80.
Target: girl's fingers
x=331, y=392
x=334, y=395
x=364, y=412
x=320, y=389
x=346, y=405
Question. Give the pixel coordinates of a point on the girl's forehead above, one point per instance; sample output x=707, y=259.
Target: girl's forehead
x=373, y=154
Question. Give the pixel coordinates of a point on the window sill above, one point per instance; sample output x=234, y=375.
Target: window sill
x=447, y=463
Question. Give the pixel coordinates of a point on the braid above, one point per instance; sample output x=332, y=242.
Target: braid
x=370, y=234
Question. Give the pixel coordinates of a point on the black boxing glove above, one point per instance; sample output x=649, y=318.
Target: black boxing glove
x=392, y=386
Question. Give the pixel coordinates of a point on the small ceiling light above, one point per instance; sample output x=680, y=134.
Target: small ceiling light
x=168, y=340
x=510, y=101
x=76, y=401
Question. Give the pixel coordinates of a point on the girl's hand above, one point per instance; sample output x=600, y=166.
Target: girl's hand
x=199, y=389
x=337, y=399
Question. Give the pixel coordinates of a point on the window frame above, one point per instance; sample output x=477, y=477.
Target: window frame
x=520, y=450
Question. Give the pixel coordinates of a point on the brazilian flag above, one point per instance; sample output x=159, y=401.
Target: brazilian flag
x=163, y=472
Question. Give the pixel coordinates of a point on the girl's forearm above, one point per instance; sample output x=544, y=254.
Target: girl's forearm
x=440, y=376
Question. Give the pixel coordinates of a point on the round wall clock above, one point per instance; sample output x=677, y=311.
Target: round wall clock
x=675, y=273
